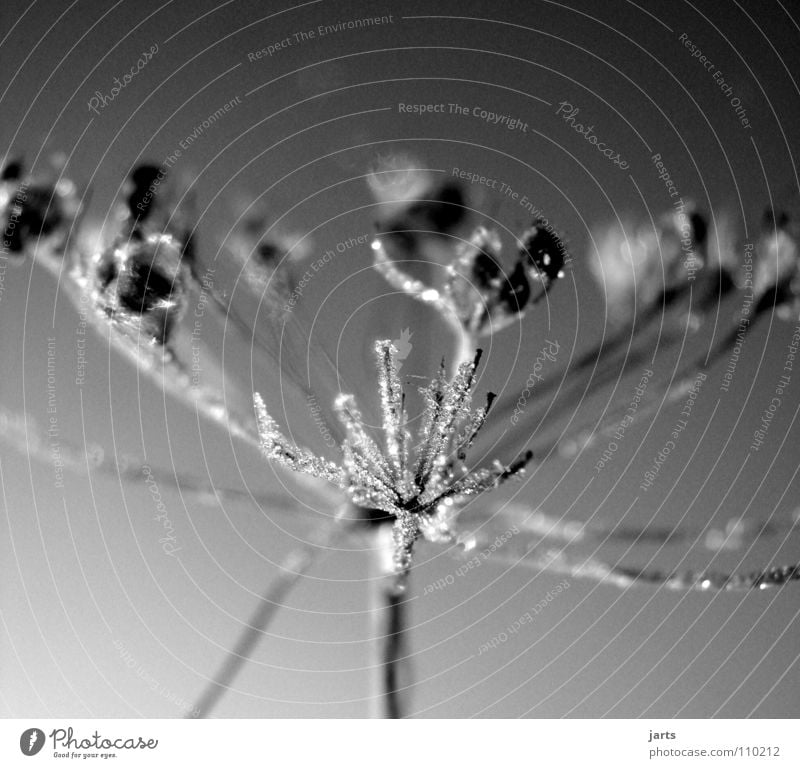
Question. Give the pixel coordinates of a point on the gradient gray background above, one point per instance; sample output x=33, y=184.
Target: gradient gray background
x=82, y=568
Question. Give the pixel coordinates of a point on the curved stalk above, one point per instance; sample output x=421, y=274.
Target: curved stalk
x=295, y=565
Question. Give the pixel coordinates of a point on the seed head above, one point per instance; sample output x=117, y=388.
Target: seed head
x=140, y=284
x=35, y=213
x=484, y=296
x=544, y=254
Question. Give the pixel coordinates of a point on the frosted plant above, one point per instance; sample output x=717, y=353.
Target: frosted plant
x=421, y=493
x=140, y=284
x=415, y=486
x=37, y=212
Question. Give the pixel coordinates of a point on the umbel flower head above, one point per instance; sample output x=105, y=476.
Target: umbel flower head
x=421, y=487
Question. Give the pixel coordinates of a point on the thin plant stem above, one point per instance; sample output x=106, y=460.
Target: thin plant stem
x=388, y=613
x=295, y=565
x=465, y=351
x=590, y=431
x=556, y=561
x=394, y=651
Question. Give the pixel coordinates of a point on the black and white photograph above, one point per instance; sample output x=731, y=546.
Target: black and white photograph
x=428, y=360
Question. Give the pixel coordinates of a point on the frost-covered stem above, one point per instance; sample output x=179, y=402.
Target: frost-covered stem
x=295, y=565
x=387, y=605
x=466, y=340
x=467, y=347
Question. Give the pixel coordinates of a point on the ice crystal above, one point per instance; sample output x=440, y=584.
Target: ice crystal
x=421, y=487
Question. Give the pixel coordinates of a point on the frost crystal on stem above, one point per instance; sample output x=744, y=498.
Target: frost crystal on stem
x=421, y=488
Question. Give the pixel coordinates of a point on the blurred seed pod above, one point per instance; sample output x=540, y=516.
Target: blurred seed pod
x=722, y=271
x=397, y=179
x=266, y=259
x=623, y=270
x=36, y=212
x=442, y=213
x=685, y=227
x=261, y=248
x=642, y=269
x=156, y=200
x=267, y=255
x=12, y=171
x=414, y=203
x=141, y=190
x=699, y=227
x=543, y=254
x=439, y=212
x=680, y=241
x=141, y=286
x=484, y=296
x=776, y=273
x=269, y=272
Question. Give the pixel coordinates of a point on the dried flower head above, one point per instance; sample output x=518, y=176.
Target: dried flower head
x=630, y=271
x=679, y=243
x=398, y=177
x=266, y=259
x=158, y=201
x=140, y=284
x=420, y=488
x=646, y=268
x=543, y=254
x=437, y=212
x=776, y=279
x=479, y=296
x=36, y=213
x=11, y=171
x=484, y=296
x=143, y=184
